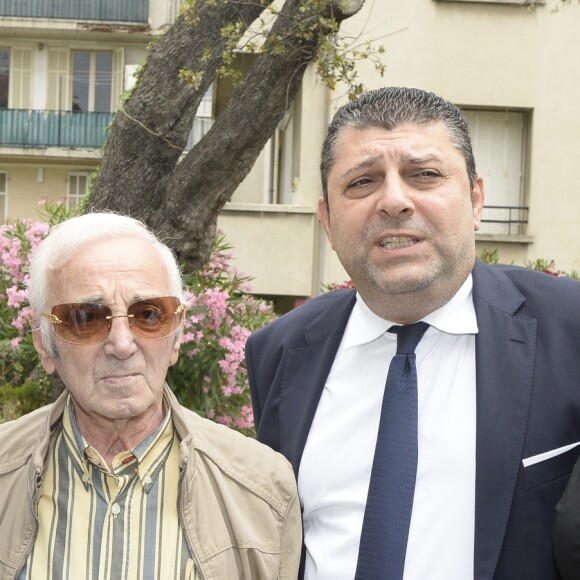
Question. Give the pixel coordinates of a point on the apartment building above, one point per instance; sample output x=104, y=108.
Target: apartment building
x=510, y=65
x=63, y=67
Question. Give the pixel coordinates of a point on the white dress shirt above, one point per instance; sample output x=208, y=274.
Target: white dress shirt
x=334, y=473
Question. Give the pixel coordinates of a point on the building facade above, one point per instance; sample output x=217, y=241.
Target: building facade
x=510, y=65
x=63, y=67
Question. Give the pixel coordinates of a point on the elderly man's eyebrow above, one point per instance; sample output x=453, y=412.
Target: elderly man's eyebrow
x=96, y=299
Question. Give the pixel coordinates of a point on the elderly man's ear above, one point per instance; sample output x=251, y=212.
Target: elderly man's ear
x=45, y=358
x=175, y=349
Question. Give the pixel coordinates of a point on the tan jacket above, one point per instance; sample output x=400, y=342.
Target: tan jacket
x=237, y=502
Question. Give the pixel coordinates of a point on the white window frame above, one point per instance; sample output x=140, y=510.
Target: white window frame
x=279, y=185
x=61, y=77
x=77, y=196
x=203, y=119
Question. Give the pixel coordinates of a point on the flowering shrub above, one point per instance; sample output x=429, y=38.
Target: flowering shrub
x=210, y=375
x=19, y=392
x=540, y=264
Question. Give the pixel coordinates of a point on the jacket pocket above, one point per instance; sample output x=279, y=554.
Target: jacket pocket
x=550, y=469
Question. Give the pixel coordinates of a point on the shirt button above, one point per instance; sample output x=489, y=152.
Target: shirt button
x=85, y=478
x=115, y=509
x=147, y=480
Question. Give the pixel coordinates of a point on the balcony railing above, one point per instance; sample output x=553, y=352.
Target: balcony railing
x=103, y=10
x=504, y=219
x=23, y=128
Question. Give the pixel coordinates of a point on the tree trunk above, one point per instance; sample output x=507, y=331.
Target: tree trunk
x=143, y=173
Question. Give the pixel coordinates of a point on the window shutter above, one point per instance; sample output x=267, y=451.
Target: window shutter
x=21, y=78
x=59, y=83
x=117, y=77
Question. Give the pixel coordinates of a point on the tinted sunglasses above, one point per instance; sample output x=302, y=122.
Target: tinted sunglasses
x=90, y=323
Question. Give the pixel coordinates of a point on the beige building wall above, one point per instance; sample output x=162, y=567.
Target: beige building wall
x=30, y=183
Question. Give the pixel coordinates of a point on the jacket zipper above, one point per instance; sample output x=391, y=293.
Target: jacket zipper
x=181, y=522
x=34, y=502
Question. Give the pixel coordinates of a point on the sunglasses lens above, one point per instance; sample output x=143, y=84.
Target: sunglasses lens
x=82, y=323
x=155, y=317
x=89, y=323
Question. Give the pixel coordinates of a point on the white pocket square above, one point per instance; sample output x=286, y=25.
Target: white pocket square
x=548, y=454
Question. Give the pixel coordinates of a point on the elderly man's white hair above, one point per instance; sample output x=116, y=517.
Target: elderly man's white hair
x=68, y=237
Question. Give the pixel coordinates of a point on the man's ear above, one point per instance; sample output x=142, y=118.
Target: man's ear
x=324, y=217
x=175, y=349
x=477, y=200
x=45, y=358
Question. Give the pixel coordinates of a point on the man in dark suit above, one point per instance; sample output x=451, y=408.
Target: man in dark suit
x=498, y=369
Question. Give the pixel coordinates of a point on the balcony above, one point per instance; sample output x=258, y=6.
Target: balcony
x=40, y=129
x=504, y=219
x=101, y=10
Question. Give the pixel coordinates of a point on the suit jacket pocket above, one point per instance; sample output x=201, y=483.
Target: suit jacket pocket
x=551, y=469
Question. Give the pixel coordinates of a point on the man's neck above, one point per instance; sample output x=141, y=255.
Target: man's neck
x=409, y=307
x=111, y=437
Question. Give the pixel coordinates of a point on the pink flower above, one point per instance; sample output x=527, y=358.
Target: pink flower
x=15, y=296
x=224, y=420
x=246, y=418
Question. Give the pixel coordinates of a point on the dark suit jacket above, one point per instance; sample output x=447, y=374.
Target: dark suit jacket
x=528, y=403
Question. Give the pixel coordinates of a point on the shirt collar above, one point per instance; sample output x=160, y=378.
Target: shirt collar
x=458, y=315
x=150, y=454
x=455, y=317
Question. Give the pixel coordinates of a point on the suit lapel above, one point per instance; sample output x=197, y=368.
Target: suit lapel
x=305, y=372
x=505, y=348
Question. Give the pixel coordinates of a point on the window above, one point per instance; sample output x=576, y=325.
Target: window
x=78, y=184
x=4, y=77
x=3, y=196
x=92, y=75
x=203, y=119
x=15, y=77
x=282, y=161
x=498, y=146
x=83, y=80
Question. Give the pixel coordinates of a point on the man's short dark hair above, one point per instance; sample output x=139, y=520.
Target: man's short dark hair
x=390, y=107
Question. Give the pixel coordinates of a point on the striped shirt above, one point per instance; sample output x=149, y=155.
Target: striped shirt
x=98, y=524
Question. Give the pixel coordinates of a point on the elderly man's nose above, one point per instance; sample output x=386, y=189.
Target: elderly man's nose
x=121, y=340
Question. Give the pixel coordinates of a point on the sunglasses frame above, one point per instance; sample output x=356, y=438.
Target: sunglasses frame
x=55, y=320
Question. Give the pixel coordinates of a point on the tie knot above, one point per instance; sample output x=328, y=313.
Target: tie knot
x=408, y=336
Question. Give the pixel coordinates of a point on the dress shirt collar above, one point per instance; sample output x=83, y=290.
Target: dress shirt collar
x=455, y=317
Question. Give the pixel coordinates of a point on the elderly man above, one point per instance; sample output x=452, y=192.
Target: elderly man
x=116, y=480
x=432, y=416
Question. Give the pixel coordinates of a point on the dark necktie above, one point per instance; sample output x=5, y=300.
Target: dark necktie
x=385, y=530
